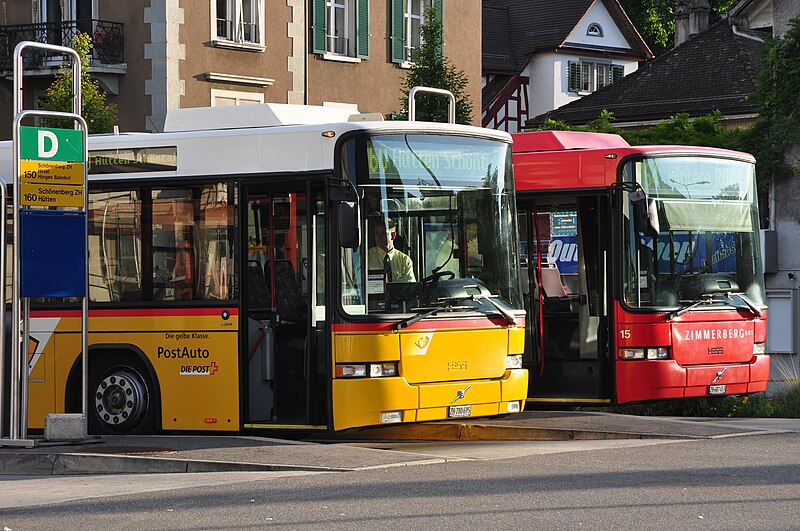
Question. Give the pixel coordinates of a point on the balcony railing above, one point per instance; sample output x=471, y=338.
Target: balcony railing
x=107, y=37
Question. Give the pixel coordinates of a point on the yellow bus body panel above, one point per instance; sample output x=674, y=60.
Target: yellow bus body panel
x=516, y=341
x=361, y=347
x=195, y=359
x=448, y=355
x=435, y=367
x=359, y=402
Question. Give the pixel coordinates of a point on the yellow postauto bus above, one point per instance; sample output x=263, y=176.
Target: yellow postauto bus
x=282, y=266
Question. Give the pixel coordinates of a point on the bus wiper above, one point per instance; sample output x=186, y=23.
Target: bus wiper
x=505, y=313
x=750, y=304
x=707, y=299
x=427, y=312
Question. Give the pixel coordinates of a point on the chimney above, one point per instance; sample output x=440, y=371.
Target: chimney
x=691, y=18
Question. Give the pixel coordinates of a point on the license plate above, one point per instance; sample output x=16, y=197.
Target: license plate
x=717, y=389
x=459, y=411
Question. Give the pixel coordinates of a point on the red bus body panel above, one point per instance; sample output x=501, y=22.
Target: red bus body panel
x=706, y=348
x=702, y=344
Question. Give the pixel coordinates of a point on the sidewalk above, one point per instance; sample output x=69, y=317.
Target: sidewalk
x=224, y=453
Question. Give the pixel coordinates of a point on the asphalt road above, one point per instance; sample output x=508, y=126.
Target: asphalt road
x=744, y=482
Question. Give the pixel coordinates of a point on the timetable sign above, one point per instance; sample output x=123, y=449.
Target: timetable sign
x=55, y=195
x=44, y=172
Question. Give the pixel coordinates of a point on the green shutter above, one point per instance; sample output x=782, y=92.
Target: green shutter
x=574, y=76
x=439, y=5
x=617, y=73
x=398, y=32
x=319, y=28
x=362, y=29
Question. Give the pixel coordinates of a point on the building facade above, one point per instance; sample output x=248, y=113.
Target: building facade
x=155, y=55
x=540, y=55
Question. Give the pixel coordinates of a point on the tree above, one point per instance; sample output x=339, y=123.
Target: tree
x=99, y=115
x=778, y=101
x=431, y=68
x=655, y=19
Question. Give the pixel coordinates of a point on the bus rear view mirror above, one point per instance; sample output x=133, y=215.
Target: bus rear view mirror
x=645, y=213
x=349, y=225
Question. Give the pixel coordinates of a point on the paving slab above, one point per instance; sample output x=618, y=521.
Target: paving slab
x=226, y=453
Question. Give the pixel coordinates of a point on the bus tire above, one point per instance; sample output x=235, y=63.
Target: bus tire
x=122, y=397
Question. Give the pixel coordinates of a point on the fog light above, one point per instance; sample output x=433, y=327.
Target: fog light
x=658, y=353
x=514, y=362
x=388, y=417
x=376, y=370
x=631, y=353
x=513, y=407
x=759, y=349
x=351, y=371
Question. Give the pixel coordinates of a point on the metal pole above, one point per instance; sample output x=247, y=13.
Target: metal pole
x=24, y=364
x=18, y=420
x=412, y=107
x=85, y=305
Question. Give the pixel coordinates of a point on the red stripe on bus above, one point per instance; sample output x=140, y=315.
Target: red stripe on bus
x=139, y=312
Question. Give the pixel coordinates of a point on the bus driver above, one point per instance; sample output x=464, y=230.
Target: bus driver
x=396, y=265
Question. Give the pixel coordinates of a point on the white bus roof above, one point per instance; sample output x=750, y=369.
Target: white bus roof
x=245, y=116
x=241, y=144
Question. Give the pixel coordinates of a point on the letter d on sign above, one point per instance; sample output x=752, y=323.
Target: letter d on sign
x=47, y=153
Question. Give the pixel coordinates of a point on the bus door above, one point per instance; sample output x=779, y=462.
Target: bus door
x=276, y=305
x=564, y=270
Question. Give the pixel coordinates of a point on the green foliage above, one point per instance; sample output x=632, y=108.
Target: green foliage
x=99, y=115
x=432, y=69
x=778, y=100
x=783, y=404
x=655, y=20
x=679, y=129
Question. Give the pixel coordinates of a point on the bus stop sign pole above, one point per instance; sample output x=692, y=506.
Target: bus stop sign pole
x=45, y=212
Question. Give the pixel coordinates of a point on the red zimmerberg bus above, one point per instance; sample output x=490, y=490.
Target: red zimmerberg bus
x=648, y=283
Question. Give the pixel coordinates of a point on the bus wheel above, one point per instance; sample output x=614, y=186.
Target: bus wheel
x=121, y=401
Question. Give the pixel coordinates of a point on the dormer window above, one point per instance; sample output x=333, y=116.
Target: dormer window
x=595, y=30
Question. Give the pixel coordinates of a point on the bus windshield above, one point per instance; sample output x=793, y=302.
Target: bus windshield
x=707, y=245
x=437, y=226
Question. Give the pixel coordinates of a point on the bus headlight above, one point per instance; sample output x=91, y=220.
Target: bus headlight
x=514, y=362
x=345, y=370
x=759, y=349
x=513, y=407
x=376, y=370
x=651, y=353
x=631, y=353
x=362, y=370
x=658, y=353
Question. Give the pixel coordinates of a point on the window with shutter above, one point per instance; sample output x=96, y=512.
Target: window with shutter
x=398, y=33
x=340, y=28
x=362, y=25
x=617, y=73
x=407, y=17
x=319, y=26
x=574, y=76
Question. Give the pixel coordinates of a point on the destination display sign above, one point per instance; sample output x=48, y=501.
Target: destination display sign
x=52, y=195
x=45, y=172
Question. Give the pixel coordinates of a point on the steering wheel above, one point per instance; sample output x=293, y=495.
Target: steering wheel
x=435, y=277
